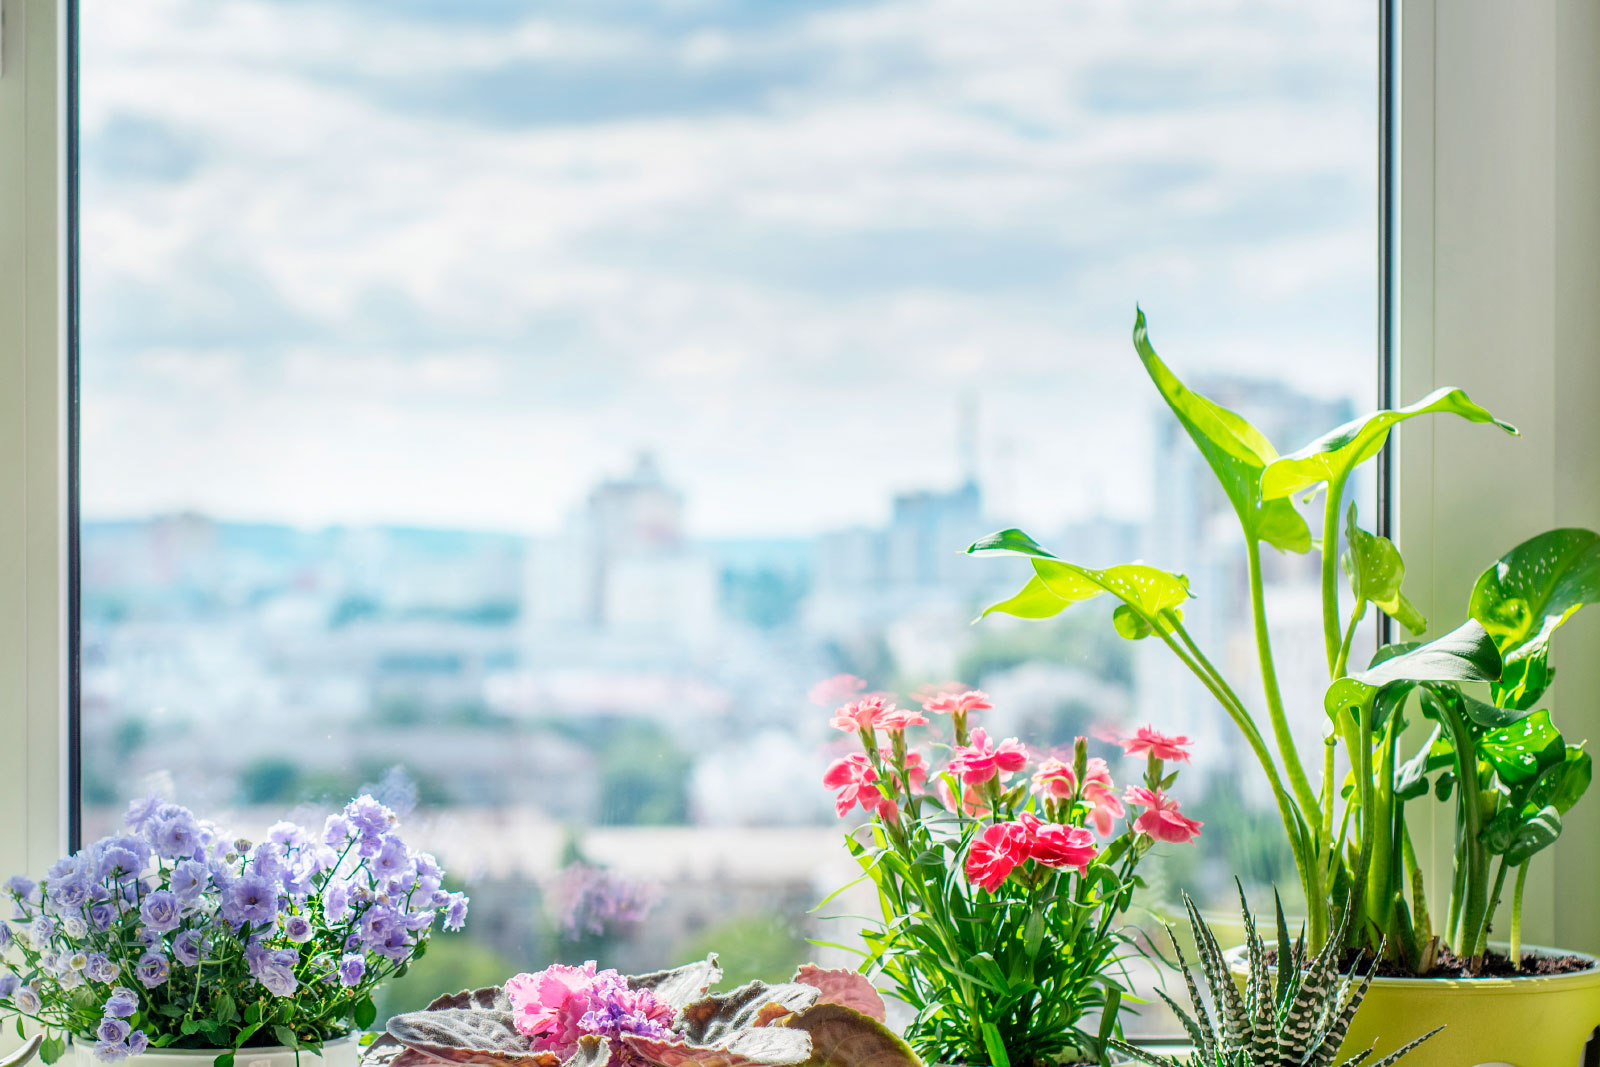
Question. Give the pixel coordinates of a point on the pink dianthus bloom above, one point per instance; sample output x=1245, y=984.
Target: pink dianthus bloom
x=862, y=714
x=1161, y=746
x=895, y=719
x=1161, y=818
x=856, y=780
x=973, y=802
x=981, y=761
x=948, y=703
x=836, y=690
x=1101, y=796
x=1054, y=779
x=1057, y=845
x=995, y=854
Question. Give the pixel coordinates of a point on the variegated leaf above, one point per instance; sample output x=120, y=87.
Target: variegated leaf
x=1401, y=1051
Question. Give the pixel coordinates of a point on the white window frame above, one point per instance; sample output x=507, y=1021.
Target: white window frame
x=1497, y=266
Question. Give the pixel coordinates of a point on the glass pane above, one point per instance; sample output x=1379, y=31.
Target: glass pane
x=515, y=409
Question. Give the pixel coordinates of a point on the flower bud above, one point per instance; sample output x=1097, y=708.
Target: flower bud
x=1080, y=758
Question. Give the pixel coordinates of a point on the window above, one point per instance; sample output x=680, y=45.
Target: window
x=515, y=412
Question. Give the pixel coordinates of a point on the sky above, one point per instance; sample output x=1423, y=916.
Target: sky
x=450, y=262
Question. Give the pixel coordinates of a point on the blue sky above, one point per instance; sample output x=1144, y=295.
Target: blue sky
x=450, y=262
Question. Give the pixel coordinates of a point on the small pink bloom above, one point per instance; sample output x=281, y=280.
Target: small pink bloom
x=1056, y=845
x=1161, y=818
x=836, y=690
x=972, y=802
x=539, y=1004
x=980, y=761
x=995, y=854
x=947, y=703
x=1101, y=795
x=916, y=769
x=894, y=718
x=863, y=714
x=856, y=782
x=1055, y=779
x=1161, y=746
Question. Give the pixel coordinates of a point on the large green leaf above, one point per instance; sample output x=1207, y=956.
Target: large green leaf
x=1563, y=784
x=1057, y=584
x=1517, y=835
x=1524, y=750
x=1526, y=595
x=1376, y=571
x=1236, y=451
x=1465, y=654
x=1336, y=453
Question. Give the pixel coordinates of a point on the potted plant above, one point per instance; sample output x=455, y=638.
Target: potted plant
x=584, y=1017
x=179, y=944
x=1001, y=892
x=1296, y=1009
x=1494, y=755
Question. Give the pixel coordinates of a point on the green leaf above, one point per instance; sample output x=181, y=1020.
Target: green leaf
x=225, y=1010
x=1057, y=584
x=224, y=1060
x=1236, y=451
x=286, y=1036
x=366, y=1014
x=1376, y=571
x=1563, y=784
x=1527, y=594
x=1524, y=750
x=1335, y=454
x=1519, y=835
x=1465, y=654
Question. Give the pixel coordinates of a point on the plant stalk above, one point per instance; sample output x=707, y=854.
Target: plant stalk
x=1516, y=915
x=1330, y=571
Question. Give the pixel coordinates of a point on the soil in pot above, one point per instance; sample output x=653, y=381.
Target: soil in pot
x=1449, y=965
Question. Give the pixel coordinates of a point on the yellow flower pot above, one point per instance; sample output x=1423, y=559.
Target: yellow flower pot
x=1488, y=1022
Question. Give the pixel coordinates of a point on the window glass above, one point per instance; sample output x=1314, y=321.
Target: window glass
x=513, y=410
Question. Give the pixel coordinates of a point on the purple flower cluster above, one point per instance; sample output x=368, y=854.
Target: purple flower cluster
x=586, y=899
x=317, y=919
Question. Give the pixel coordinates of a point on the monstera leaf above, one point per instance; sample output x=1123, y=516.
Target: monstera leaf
x=680, y=986
x=1057, y=584
x=1331, y=457
x=1237, y=452
x=1465, y=654
x=1526, y=596
x=1376, y=571
x=843, y=1037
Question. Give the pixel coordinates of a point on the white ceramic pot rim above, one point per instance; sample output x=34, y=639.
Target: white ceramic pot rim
x=209, y=1054
x=1234, y=957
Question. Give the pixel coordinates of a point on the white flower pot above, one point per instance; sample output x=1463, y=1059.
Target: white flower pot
x=340, y=1052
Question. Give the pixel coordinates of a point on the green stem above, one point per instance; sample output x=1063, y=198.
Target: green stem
x=1341, y=666
x=1368, y=827
x=1330, y=571
x=1269, y=683
x=1380, y=889
x=1472, y=859
x=1516, y=915
x=1480, y=938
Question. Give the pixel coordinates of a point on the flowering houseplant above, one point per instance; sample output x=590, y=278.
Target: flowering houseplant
x=586, y=1017
x=1512, y=772
x=172, y=935
x=1000, y=903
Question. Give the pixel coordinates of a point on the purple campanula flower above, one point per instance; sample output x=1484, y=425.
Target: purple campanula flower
x=113, y=1030
x=189, y=880
x=117, y=863
x=391, y=860
x=8, y=984
x=187, y=947
x=252, y=899
x=175, y=833
x=21, y=887
x=162, y=911
x=137, y=1043
x=377, y=922
x=152, y=970
x=121, y=1003
x=351, y=969
x=111, y=1052
x=26, y=1000
x=287, y=833
x=74, y=927
x=396, y=945
x=100, y=968
x=456, y=916
x=142, y=812
x=69, y=979
x=101, y=915
x=266, y=860
x=419, y=920
x=5, y=937
x=42, y=930
x=70, y=893
x=336, y=901
x=297, y=928
x=369, y=816
x=336, y=831
x=279, y=981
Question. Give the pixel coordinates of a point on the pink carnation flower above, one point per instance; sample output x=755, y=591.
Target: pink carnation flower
x=854, y=778
x=862, y=714
x=1161, y=746
x=895, y=719
x=1054, y=779
x=1161, y=818
x=947, y=703
x=981, y=761
x=1056, y=845
x=1101, y=795
x=995, y=854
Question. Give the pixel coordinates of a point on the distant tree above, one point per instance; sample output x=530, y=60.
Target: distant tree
x=644, y=777
x=749, y=947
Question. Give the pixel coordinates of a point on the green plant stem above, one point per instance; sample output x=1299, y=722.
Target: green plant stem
x=1330, y=571
x=1341, y=666
x=1269, y=684
x=1480, y=937
x=1516, y=914
x=1472, y=859
x=1368, y=828
x=1293, y=824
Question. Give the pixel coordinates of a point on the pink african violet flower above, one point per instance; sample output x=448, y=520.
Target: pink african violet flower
x=1056, y=845
x=980, y=761
x=947, y=703
x=856, y=781
x=862, y=714
x=1055, y=779
x=1101, y=796
x=836, y=690
x=547, y=1006
x=995, y=854
x=1161, y=818
x=1161, y=746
